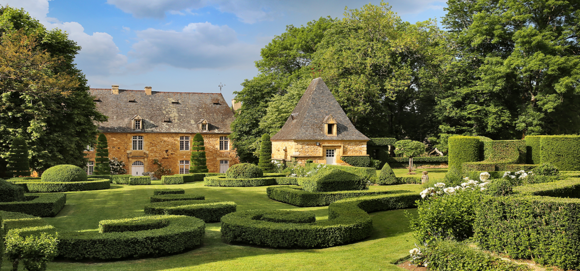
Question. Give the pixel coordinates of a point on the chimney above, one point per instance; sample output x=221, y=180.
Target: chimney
x=236, y=105
x=115, y=90
x=148, y=90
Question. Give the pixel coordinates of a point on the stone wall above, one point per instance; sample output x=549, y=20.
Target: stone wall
x=304, y=150
x=165, y=148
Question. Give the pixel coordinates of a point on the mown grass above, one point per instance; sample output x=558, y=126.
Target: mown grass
x=390, y=240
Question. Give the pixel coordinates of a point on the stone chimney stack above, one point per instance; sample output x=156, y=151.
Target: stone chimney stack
x=148, y=90
x=115, y=90
x=236, y=105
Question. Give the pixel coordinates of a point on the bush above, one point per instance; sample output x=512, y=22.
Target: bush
x=244, y=171
x=561, y=151
x=206, y=210
x=286, y=181
x=108, y=177
x=462, y=149
x=10, y=192
x=227, y=182
x=408, y=180
x=168, y=191
x=280, y=216
x=182, y=233
x=102, y=166
x=37, y=205
x=301, y=198
x=174, y=197
x=18, y=158
x=533, y=149
x=64, y=173
x=333, y=180
x=121, y=179
x=357, y=161
x=198, y=159
x=117, y=166
x=172, y=179
x=387, y=176
x=546, y=169
x=505, y=151
x=382, y=141
x=347, y=222
x=368, y=174
x=139, y=180
x=265, y=161
x=40, y=187
x=197, y=177
x=132, y=224
x=35, y=251
x=500, y=188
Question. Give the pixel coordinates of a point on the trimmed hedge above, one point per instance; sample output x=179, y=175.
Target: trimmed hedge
x=43, y=187
x=244, y=171
x=133, y=224
x=121, y=179
x=172, y=179
x=434, y=159
x=382, y=141
x=408, y=180
x=561, y=151
x=387, y=176
x=206, y=210
x=347, y=222
x=37, y=205
x=174, y=197
x=368, y=174
x=139, y=180
x=230, y=182
x=197, y=177
x=462, y=149
x=10, y=192
x=505, y=151
x=287, y=181
x=108, y=177
x=280, y=216
x=533, y=149
x=168, y=191
x=298, y=197
x=64, y=173
x=333, y=180
x=357, y=161
x=452, y=255
x=182, y=233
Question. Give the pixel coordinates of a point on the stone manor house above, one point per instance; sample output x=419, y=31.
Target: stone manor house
x=144, y=125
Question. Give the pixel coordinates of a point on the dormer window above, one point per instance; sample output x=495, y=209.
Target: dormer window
x=175, y=102
x=330, y=126
x=132, y=101
x=137, y=123
x=330, y=129
x=203, y=125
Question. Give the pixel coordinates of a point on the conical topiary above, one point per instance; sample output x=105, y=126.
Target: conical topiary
x=198, y=160
x=387, y=175
x=102, y=160
x=18, y=158
x=265, y=162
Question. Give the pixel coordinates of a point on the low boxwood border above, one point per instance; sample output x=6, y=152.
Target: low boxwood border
x=139, y=180
x=298, y=197
x=229, y=182
x=37, y=205
x=197, y=177
x=121, y=179
x=182, y=233
x=174, y=197
x=347, y=222
x=168, y=191
x=174, y=179
x=206, y=210
x=43, y=187
x=13, y=220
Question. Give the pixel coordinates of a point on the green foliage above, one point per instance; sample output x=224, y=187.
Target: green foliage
x=133, y=224
x=18, y=158
x=282, y=104
x=533, y=149
x=301, y=198
x=347, y=222
x=175, y=196
x=266, y=154
x=161, y=170
x=452, y=255
x=506, y=151
x=500, y=188
x=387, y=176
x=121, y=179
x=64, y=173
x=368, y=174
x=37, y=205
x=546, y=169
x=139, y=180
x=462, y=149
x=409, y=148
x=244, y=171
x=206, y=210
x=91, y=184
x=561, y=151
x=381, y=142
x=168, y=191
x=35, y=251
x=357, y=161
x=117, y=166
x=280, y=216
x=239, y=182
x=11, y=222
x=183, y=233
x=197, y=177
x=443, y=143
x=198, y=160
x=102, y=158
x=333, y=180
x=10, y=192
x=408, y=180
x=174, y=179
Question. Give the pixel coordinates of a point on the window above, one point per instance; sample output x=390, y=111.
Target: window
x=184, y=167
x=89, y=148
x=204, y=126
x=138, y=143
x=224, y=143
x=137, y=124
x=90, y=167
x=330, y=130
x=184, y=143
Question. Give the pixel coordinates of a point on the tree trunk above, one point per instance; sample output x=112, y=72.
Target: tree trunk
x=410, y=164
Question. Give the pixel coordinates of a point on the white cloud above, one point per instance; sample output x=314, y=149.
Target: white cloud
x=196, y=46
x=36, y=8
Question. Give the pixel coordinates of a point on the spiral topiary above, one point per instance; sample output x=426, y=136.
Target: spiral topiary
x=64, y=173
x=244, y=171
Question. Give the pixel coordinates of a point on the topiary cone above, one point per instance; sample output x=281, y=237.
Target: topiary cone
x=198, y=160
x=265, y=162
x=102, y=158
x=387, y=176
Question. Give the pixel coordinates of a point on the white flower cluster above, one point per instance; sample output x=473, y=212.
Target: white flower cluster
x=470, y=185
x=417, y=257
x=299, y=171
x=517, y=175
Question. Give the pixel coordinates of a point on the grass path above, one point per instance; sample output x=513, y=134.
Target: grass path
x=390, y=240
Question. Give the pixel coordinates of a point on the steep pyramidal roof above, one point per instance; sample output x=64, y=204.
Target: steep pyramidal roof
x=307, y=120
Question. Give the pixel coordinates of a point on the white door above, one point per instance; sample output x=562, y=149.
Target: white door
x=330, y=157
x=137, y=168
x=224, y=165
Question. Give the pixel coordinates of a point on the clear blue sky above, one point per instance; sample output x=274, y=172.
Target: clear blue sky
x=187, y=45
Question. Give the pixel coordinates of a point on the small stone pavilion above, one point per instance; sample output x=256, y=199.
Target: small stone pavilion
x=318, y=130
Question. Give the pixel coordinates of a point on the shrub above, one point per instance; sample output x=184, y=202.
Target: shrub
x=206, y=210
x=121, y=179
x=161, y=170
x=174, y=197
x=375, y=164
x=368, y=174
x=238, y=182
x=182, y=233
x=172, y=179
x=506, y=151
x=10, y=192
x=117, y=166
x=561, y=151
x=462, y=149
x=408, y=180
x=40, y=187
x=244, y=171
x=37, y=205
x=546, y=169
x=197, y=177
x=35, y=251
x=139, y=180
x=265, y=162
x=301, y=198
x=64, y=173
x=280, y=216
x=108, y=177
x=102, y=156
x=198, y=159
x=18, y=158
x=387, y=176
x=382, y=141
x=500, y=187
x=333, y=180
x=132, y=224
x=168, y=191
x=533, y=149
x=357, y=161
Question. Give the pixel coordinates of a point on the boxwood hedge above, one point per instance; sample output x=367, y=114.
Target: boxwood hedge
x=174, y=179
x=139, y=180
x=64, y=173
x=289, y=217
x=144, y=223
x=333, y=180
x=357, y=161
x=168, y=191
x=37, y=205
x=347, y=222
x=463, y=149
x=239, y=182
x=197, y=177
x=181, y=233
x=368, y=174
x=533, y=149
x=387, y=176
x=207, y=210
x=174, y=197
x=298, y=197
x=562, y=151
x=43, y=187
x=121, y=179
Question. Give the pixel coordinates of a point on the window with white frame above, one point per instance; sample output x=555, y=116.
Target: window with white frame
x=89, y=148
x=224, y=143
x=184, y=167
x=138, y=124
x=204, y=126
x=138, y=143
x=90, y=167
x=184, y=143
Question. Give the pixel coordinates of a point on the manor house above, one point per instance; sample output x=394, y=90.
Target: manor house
x=144, y=125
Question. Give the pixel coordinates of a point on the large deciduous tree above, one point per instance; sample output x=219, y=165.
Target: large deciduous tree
x=43, y=96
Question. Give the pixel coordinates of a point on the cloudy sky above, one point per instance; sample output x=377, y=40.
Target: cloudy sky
x=187, y=45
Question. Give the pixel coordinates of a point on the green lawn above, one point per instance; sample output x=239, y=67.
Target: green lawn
x=390, y=240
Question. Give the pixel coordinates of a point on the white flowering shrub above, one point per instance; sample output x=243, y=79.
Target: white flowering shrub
x=308, y=170
x=417, y=257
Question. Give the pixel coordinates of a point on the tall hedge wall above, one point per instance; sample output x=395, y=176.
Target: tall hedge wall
x=533, y=149
x=357, y=161
x=561, y=151
x=462, y=149
x=378, y=148
x=506, y=151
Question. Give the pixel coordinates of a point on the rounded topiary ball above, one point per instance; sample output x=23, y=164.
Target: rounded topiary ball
x=64, y=173
x=244, y=171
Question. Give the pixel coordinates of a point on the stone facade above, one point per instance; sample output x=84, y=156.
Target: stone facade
x=166, y=148
x=300, y=151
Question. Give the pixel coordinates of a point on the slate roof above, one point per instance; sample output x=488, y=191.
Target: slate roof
x=162, y=112
x=307, y=120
